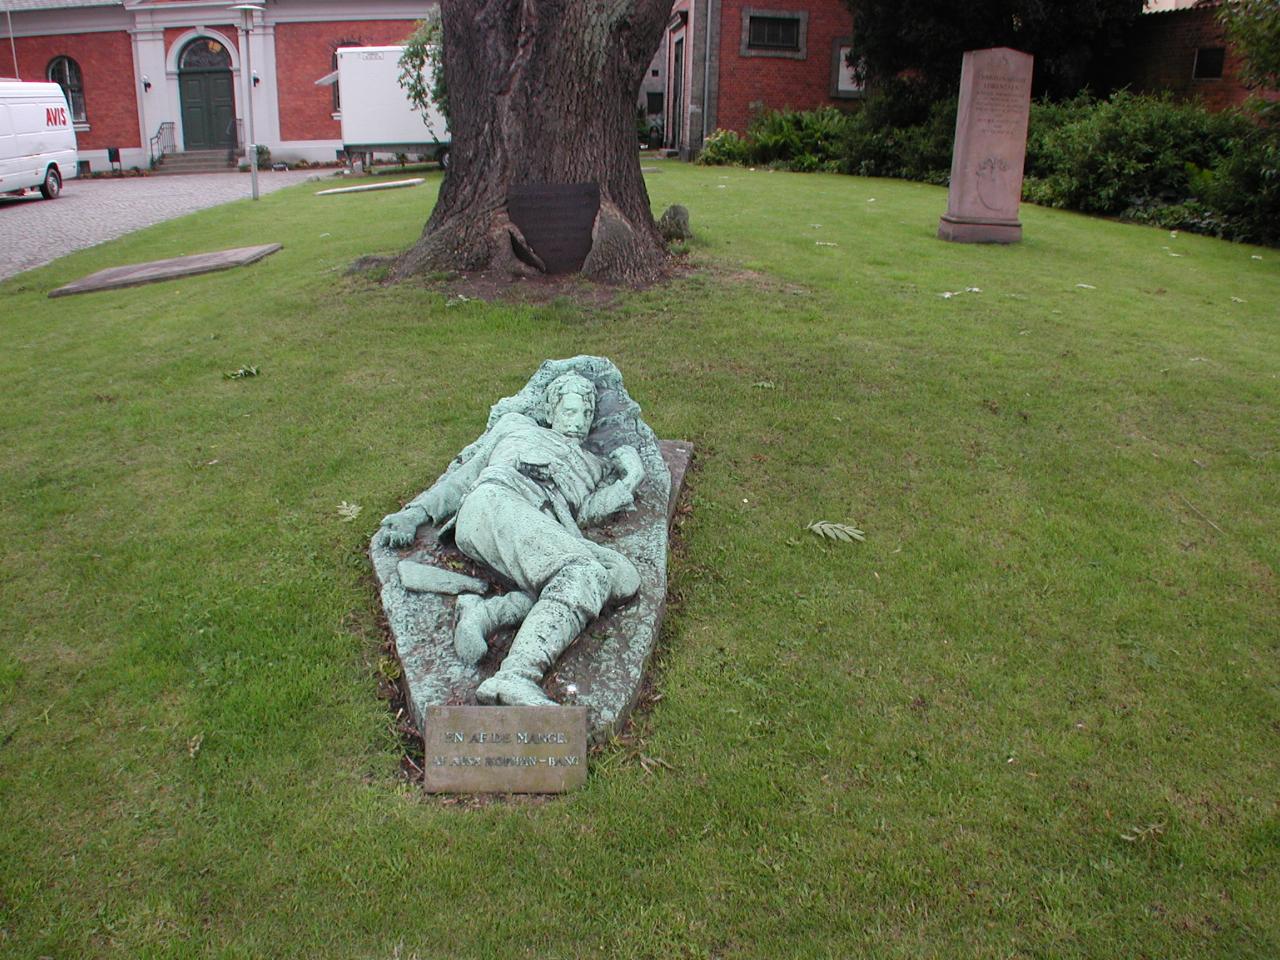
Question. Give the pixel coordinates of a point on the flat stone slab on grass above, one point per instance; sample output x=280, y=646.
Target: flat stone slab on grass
x=135, y=274
x=393, y=185
x=602, y=670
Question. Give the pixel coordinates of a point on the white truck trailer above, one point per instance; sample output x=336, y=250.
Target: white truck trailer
x=377, y=115
x=37, y=140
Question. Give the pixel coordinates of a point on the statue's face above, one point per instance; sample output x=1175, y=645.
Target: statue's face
x=572, y=417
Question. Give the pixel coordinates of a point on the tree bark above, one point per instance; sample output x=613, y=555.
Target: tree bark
x=543, y=92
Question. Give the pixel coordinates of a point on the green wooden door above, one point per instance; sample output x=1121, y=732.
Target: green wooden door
x=208, y=110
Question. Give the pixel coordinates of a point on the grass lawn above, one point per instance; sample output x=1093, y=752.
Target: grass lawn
x=1034, y=715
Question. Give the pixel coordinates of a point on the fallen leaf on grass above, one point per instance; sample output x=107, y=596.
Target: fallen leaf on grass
x=348, y=511
x=1238, y=300
x=651, y=763
x=1152, y=831
x=763, y=384
x=194, y=745
x=836, y=531
x=242, y=373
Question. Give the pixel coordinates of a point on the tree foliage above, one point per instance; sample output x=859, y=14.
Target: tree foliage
x=1253, y=27
x=422, y=67
x=926, y=39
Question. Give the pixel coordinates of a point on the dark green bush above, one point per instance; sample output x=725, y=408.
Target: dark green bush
x=1127, y=151
x=921, y=151
x=1244, y=188
x=1148, y=159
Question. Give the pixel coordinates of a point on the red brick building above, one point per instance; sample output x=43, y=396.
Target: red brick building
x=139, y=71
x=1178, y=46
x=726, y=60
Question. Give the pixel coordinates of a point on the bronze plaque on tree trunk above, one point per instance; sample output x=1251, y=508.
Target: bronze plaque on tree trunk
x=505, y=749
x=556, y=220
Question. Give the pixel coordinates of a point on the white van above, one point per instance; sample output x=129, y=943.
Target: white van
x=37, y=141
x=377, y=115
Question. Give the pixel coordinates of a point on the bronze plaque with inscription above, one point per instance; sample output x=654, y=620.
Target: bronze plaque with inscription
x=556, y=219
x=505, y=749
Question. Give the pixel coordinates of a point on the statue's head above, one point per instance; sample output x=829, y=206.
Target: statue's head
x=571, y=405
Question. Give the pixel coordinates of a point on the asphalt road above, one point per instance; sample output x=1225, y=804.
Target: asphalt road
x=34, y=231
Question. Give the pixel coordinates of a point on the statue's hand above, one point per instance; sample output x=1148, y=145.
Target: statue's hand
x=399, y=528
x=628, y=462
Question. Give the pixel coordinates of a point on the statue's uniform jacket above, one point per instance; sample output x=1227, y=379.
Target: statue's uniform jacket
x=519, y=495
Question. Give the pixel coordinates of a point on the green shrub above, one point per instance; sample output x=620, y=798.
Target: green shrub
x=724, y=148
x=801, y=141
x=1123, y=152
x=919, y=151
x=1244, y=188
x=805, y=139
x=1047, y=118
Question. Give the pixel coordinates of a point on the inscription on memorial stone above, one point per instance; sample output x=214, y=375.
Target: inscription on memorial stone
x=556, y=220
x=505, y=749
x=990, y=146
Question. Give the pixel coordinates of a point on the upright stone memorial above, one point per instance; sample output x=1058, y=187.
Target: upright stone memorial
x=990, y=147
x=524, y=589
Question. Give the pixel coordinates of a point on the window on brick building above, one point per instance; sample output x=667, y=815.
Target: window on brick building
x=337, y=94
x=1209, y=61
x=65, y=72
x=774, y=33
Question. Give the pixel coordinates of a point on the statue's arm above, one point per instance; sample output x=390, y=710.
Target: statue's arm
x=441, y=500
x=617, y=493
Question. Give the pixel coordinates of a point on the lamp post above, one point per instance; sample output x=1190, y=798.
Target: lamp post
x=247, y=10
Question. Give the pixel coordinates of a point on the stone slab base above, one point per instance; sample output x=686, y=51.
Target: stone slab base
x=136, y=274
x=979, y=231
x=602, y=670
x=369, y=187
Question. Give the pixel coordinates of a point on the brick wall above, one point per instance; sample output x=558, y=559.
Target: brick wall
x=106, y=68
x=1161, y=55
x=304, y=54
x=748, y=84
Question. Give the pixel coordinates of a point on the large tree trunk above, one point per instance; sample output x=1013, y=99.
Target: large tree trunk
x=543, y=92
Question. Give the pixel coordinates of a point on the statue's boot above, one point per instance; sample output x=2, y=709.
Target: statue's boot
x=479, y=619
x=573, y=597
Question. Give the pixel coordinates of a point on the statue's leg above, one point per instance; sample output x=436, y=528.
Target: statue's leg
x=570, y=599
x=479, y=618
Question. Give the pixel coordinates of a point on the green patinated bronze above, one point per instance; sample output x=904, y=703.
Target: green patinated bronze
x=556, y=460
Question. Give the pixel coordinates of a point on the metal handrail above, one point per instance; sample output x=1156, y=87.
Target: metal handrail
x=164, y=142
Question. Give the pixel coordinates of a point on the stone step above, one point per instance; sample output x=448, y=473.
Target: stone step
x=194, y=161
x=184, y=171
